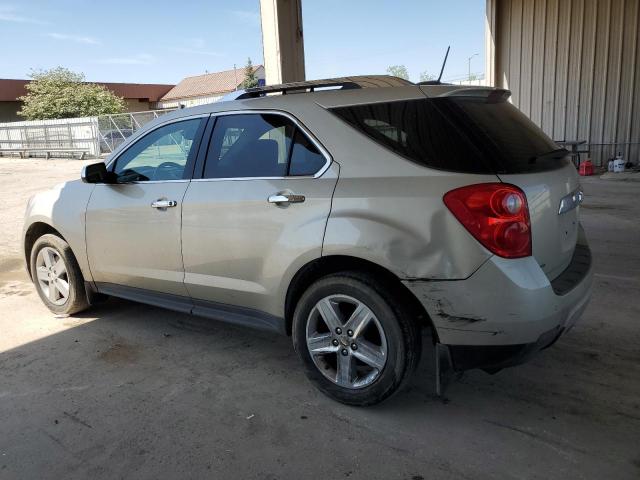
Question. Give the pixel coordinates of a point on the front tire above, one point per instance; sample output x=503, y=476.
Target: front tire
x=57, y=276
x=358, y=343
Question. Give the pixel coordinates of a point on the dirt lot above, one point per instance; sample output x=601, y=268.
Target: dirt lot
x=127, y=390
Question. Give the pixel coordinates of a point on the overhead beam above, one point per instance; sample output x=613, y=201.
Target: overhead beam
x=282, y=41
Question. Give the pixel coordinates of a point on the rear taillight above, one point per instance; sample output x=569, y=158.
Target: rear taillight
x=496, y=214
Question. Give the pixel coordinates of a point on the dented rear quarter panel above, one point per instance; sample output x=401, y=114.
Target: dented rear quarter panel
x=389, y=210
x=402, y=224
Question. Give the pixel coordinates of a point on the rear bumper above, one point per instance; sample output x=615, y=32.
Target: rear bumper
x=507, y=304
x=496, y=357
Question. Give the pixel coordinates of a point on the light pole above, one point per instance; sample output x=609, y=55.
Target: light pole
x=474, y=55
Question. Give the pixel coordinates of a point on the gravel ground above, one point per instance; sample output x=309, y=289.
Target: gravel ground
x=130, y=391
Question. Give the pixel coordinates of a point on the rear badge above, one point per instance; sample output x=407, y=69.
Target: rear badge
x=571, y=201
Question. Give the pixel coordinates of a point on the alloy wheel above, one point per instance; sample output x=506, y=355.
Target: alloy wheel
x=346, y=341
x=53, y=278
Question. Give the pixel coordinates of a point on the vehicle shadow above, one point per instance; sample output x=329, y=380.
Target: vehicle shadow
x=124, y=381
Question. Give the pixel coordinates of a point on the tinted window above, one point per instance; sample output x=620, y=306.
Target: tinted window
x=251, y=145
x=305, y=157
x=464, y=134
x=159, y=155
x=516, y=140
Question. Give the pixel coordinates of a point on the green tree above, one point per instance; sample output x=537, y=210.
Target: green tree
x=61, y=93
x=250, y=78
x=426, y=76
x=398, y=71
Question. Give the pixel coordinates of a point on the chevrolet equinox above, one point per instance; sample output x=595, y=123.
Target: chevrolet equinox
x=348, y=213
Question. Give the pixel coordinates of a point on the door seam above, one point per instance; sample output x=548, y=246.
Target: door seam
x=184, y=270
x=86, y=243
x=326, y=223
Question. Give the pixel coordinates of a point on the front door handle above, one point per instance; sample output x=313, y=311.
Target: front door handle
x=286, y=198
x=164, y=204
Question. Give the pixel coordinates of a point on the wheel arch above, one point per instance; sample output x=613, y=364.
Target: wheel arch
x=327, y=265
x=35, y=231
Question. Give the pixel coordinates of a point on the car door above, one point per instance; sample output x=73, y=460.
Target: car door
x=133, y=225
x=257, y=213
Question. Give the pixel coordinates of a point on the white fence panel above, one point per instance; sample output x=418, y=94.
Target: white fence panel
x=97, y=135
x=69, y=133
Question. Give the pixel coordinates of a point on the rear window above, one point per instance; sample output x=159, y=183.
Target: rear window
x=462, y=134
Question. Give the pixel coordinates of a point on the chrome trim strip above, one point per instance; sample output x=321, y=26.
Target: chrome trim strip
x=240, y=179
x=146, y=182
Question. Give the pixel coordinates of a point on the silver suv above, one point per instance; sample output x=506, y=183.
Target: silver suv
x=348, y=213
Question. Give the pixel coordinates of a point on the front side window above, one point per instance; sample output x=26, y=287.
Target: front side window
x=260, y=145
x=159, y=155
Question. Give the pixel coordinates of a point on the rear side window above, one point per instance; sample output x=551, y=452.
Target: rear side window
x=417, y=130
x=462, y=134
x=305, y=157
x=249, y=146
x=260, y=145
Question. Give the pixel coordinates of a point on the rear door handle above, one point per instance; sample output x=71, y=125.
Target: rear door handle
x=164, y=204
x=286, y=198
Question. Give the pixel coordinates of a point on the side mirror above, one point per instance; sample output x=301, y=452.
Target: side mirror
x=96, y=173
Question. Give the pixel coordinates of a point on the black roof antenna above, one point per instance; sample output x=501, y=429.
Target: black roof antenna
x=438, y=82
x=446, y=55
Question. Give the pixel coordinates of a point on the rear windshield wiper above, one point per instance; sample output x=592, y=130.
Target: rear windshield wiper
x=556, y=153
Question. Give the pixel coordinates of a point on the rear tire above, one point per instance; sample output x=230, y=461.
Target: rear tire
x=362, y=365
x=57, y=276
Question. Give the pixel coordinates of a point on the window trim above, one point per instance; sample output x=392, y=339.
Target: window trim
x=189, y=165
x=199, y=173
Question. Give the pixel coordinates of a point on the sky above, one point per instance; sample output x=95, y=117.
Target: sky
x=162, y=41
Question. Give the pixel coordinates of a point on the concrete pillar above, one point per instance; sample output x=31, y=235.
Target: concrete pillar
x=282, y=41
x=490, y=31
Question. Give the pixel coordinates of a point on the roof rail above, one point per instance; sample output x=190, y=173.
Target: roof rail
x=343, y=83
x=284, y=88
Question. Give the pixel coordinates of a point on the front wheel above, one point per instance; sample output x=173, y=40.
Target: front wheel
x=357, y=343
x=57, y=276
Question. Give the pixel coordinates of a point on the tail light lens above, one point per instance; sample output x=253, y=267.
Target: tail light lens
x=496, y=214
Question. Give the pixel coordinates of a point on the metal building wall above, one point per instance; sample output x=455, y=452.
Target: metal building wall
x=573, y=67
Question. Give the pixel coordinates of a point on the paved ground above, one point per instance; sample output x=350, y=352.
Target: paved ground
x=131, y=391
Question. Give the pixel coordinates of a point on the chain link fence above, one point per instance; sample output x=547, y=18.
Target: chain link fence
x=112, y=130
x=88, y=136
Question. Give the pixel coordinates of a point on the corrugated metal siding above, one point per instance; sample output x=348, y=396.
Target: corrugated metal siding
x=573, y=67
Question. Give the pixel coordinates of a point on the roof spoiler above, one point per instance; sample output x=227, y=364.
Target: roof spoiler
x=490, y=93
x=433, y=82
